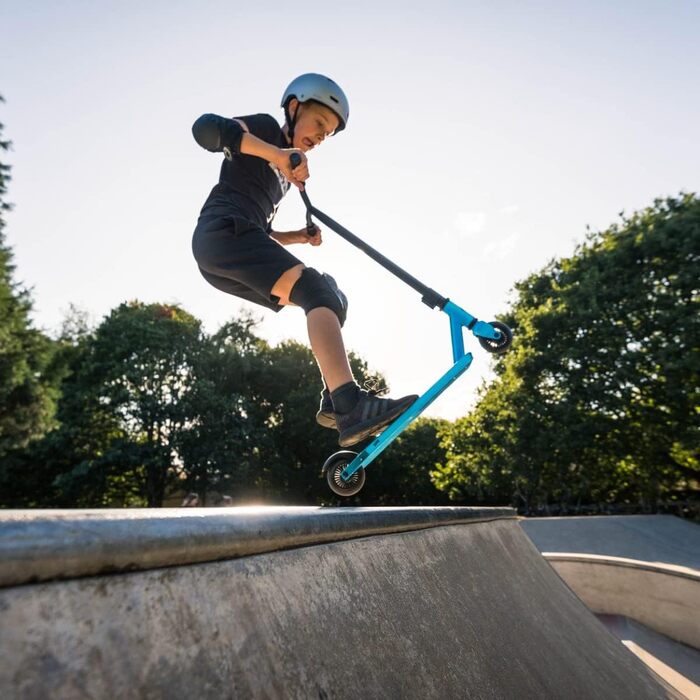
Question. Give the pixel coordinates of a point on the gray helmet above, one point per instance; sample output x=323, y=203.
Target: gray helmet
x=312, y=86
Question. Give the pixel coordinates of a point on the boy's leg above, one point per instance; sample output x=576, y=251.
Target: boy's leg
x=282, y=288
x=234, y=250
x=359, y=413
x=325, y=416
x=244, y=261
x=241, y=259
x=324, y=333
x=328, y=347
x=240, y=290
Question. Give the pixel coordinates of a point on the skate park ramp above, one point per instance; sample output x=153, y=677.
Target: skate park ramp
x=661, y=539
x=677, y=664
x=296, y=603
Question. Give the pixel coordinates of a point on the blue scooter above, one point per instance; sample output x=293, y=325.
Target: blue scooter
x=345, y=470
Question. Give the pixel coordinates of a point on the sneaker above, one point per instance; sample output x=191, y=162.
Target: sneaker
x=370, y=415
x=326, y=413
x=325, y=416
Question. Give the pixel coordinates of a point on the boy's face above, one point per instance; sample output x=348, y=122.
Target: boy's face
x=314, y=122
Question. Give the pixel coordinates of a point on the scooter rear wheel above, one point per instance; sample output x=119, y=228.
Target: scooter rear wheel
x=334, y=467
x=503, y=343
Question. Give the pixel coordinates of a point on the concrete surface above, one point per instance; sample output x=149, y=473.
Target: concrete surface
x=651, y=538
x=43, y=545
x=678, y=664
x=463, y=608
x=663, y=597
x=644, y=569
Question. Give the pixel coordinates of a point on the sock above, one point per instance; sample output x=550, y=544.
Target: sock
x=345, y=397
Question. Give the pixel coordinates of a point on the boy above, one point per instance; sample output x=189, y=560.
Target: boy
x=238, y=252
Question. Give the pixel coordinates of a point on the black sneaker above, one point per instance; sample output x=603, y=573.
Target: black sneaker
x=325, y=416
x=326, y=413
x=370, y=415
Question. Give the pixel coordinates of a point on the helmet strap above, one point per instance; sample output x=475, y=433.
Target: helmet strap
x=291, y=122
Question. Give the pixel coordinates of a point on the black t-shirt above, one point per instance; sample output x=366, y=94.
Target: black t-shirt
x=249, y=187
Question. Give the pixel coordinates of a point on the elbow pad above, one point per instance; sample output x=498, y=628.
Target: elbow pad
x=217, y=134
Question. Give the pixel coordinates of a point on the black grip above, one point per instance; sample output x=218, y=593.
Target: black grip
x=294, y=160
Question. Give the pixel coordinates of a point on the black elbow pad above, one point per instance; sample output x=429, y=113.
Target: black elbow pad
x=215, y=133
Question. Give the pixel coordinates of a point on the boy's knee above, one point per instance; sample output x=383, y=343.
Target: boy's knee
x=313, y=290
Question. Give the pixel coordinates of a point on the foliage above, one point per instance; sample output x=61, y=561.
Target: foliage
x=151, y=404
x=226, y=440
x=28, y=373
x=134, y=374
x=403, y=473
x=598, y=400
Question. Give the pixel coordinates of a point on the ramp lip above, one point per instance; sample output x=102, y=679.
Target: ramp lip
x=624, y=563
x=47, y=545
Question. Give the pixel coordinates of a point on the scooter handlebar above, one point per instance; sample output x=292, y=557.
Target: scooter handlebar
x=294, y=161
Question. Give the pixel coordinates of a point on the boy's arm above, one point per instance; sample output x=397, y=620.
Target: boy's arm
x=217, y=134
x=300, y=236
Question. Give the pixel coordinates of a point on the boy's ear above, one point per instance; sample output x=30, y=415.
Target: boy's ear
x=293, y=107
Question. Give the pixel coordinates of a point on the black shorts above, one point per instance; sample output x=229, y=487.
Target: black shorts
x=239, y=258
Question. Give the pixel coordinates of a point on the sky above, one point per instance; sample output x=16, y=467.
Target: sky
x=484, y=137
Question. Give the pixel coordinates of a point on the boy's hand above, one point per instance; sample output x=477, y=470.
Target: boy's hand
x=314, y=239
x=300, y=236
x=300, y=173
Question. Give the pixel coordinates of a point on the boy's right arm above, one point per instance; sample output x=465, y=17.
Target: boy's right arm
x=217, y=134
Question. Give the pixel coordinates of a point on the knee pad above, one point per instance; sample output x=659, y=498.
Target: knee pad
x=313, y=290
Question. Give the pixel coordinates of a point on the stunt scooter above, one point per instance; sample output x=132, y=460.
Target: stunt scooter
x=345, y=470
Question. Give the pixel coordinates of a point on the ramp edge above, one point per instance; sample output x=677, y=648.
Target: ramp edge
x=46, y=545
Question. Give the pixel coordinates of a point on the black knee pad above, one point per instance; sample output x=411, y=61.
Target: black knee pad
x=313, y=290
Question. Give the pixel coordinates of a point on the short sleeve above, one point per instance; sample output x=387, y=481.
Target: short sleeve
x=264, y=126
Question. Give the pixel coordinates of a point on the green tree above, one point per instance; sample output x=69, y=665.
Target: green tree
x=402, y=474
x=130, y=386
x=598, y=400
x=227, y=441
x=290, y=385
x=38, y=475
x=28, y=374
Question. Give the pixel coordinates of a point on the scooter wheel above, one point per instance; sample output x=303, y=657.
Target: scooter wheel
x=497, y=347
x=334, y=467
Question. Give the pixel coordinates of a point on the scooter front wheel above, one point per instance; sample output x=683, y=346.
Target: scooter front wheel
x=502, y=344
x=333, y=468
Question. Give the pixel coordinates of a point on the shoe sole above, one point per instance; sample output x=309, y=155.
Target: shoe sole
x=326, y=420
x=372, y=427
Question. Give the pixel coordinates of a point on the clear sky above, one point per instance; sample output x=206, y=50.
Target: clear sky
x=483, y=138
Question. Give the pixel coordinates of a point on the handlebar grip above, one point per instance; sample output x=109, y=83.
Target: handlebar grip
x=294, y=161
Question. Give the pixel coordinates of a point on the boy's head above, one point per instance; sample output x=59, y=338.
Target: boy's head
x=312, y=123
x=314, y=107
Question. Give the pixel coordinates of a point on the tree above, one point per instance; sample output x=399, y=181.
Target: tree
x=38, y=474
x=134, y=373
x=28, y=375
x=402, y=474
x=227, y=441
x=598, y=400
x=290, y=385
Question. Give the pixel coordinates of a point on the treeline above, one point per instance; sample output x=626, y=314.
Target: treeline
x=596, y=404
x=599, y=401
x=149, y=404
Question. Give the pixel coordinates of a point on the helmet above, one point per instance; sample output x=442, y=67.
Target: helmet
x=312, y=86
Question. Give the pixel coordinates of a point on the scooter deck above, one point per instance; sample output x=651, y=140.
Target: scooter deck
x=382, y=441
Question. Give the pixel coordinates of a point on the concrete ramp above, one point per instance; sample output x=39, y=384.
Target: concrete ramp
x=662, y=539
x=331, y=603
